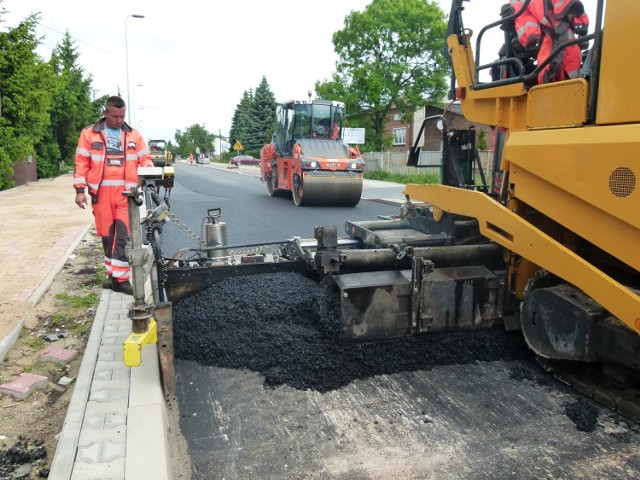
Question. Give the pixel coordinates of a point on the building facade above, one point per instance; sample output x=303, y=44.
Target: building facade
x=403, y=131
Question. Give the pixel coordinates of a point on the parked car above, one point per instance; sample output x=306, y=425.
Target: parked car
x=244, y=160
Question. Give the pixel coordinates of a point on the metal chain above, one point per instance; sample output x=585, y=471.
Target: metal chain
x=233, y=252
x=185, y=228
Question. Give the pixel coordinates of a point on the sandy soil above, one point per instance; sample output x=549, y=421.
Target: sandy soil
x=36, y=421
x=39, y=223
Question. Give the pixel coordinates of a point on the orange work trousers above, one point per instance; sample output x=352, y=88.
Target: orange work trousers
x=111, y=214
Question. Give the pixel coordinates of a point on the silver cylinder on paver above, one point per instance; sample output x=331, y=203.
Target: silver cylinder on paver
x=216, y=234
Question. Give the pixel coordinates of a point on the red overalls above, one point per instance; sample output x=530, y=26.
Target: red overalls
x=549, y=23
x=108, y=167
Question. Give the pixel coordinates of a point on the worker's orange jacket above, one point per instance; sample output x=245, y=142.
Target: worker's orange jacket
x=545, y=26
x=92, y=151
x=529, y=24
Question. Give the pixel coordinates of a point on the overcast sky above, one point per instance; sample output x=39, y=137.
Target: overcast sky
x=189, y=61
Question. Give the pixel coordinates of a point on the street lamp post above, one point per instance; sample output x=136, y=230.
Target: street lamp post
x=126, y=52
x=134, y=105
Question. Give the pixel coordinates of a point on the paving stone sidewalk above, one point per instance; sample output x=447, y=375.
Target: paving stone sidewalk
x=116, y=424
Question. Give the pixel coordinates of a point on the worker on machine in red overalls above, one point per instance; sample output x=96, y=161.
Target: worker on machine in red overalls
x=546, y=24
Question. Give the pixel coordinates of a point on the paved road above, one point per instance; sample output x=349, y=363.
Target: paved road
x=453, y=418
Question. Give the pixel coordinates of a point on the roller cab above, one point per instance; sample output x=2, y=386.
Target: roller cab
x=308, y=158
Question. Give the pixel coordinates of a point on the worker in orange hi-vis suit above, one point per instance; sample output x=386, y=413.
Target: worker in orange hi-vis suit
x=544, y=26
x=107, y=160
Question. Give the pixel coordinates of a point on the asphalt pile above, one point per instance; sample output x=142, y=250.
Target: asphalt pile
x=583, y=414
x=286, y=327
x=16, y=461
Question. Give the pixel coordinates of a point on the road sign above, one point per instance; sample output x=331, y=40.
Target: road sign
x=354, y=136
x=238, y=146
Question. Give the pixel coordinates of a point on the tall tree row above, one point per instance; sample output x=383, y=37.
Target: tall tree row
x=26, y=84
x=44, y=105
x=252, y=122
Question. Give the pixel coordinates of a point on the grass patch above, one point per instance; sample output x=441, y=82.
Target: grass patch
x=36, y=343
x=80, y=328
x=60, y=320
x=78, y=301
x=101, y=274
x=420, y=178
x=44, y=368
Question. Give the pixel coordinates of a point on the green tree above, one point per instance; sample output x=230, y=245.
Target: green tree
x=241, y=121
x=26, y=83
x=72, y=108
x=195, y=137
x=388, y=55
x=481, y=143
x=263, y=110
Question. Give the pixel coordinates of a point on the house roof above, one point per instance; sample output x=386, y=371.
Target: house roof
x=454, y=108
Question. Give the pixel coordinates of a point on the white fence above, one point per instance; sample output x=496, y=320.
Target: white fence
x=396, y=162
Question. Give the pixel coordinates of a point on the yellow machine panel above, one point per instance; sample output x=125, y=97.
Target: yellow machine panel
x=618, y=94
x=557, y=105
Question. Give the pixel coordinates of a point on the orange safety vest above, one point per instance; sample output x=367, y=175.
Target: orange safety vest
x=528, y=25
x=550, y=23
x=92, y=151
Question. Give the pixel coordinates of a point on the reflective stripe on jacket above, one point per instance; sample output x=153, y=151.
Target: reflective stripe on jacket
x=528, y=24
x=92, y=151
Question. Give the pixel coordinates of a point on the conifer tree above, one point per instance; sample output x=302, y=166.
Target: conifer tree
x=72, y=109
x=262, y=116
x=241, y=122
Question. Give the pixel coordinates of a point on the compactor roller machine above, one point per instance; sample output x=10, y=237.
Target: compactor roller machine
x=308, y=158
x=159, y=151
x=552, y=252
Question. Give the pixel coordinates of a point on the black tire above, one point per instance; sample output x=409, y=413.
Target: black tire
x=298, y=194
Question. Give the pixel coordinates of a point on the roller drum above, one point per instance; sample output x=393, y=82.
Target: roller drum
x=329, y=189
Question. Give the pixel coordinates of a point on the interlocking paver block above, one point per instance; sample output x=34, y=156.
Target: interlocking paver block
x=22, y=387
x=113, y=470
x=57, y=355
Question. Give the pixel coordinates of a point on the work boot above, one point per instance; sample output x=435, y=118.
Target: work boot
x=122, y=287
x=108, y=283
